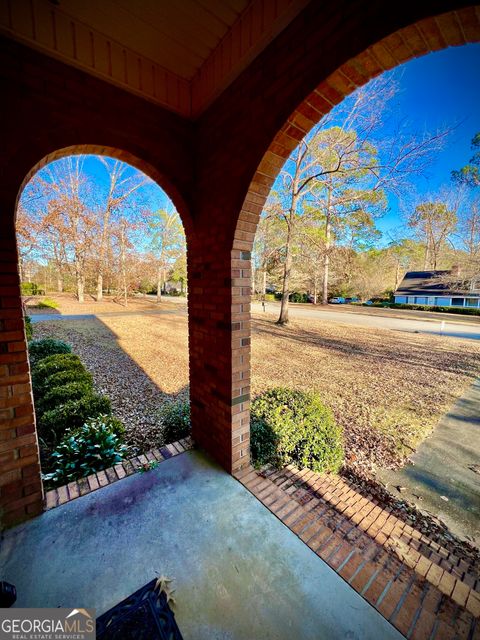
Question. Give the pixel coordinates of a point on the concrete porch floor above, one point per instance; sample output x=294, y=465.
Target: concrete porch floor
x=238, y=572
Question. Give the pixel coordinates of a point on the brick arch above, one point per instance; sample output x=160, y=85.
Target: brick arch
x=21, y=487
x=124, y=156
x=425, y=36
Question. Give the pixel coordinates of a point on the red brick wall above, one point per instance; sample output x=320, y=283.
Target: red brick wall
x=217, y=170
x=21, y=492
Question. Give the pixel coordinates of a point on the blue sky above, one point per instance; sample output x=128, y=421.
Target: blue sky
x=437, y=90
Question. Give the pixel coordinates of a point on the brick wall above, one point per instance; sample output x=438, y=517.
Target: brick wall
x=218, y=170
x=21, y=492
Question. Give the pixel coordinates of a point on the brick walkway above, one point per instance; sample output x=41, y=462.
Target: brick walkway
x=422, y=589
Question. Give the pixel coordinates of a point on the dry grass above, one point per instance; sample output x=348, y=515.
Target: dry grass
x=388, y=389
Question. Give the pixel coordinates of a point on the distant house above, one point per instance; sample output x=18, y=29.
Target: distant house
x=441, y=288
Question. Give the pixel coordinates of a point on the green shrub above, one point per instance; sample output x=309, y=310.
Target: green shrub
x=175, y=417
x=71, y=415
x=467, y=311
x=28, y=328
x=30, y=289
x=61, y=378
x=39, y=349
x=46, y=367
x=92, y=447
x=47, y=303
x=298, y=297
x=115, y=425
x=289, y=426
x=56, y=396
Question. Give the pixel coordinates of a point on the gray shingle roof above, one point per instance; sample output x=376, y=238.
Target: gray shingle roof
x=433, y=283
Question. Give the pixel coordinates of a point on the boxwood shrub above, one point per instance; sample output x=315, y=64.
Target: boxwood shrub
x=72, y=414
x=46, y=367
x=58, y=395
x=39, y=349
x=290, y=426
x=61, y=378
x=175, y=418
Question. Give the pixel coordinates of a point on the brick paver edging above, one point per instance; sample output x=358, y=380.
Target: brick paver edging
x=424, y=591
x=82, y=486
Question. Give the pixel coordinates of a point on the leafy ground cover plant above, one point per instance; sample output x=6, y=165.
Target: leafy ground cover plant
x=94, y=446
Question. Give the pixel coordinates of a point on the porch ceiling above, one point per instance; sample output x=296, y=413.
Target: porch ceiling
x=178, y=54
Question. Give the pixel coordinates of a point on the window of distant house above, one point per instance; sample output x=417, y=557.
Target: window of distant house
x=457, y=302
x=472, y=302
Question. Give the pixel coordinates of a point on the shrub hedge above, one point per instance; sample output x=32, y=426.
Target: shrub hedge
x=46, y=367
x=47, y=303
x=39, y=349
x=60, y=394
x=71, y=414
x=28, y=328
x=466, y=311
x=31, y=289
x=289, y=426
x=61, y=378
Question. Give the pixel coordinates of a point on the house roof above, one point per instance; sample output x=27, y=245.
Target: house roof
x=433, y=283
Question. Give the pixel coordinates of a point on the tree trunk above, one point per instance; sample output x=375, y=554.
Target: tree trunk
x=315, y=294
x=283, y=318
x=264, y=283
x=159, y=284
x=59, y=284
x=99, y=286
x=397, y=276
x=123, y=263
x=426, y=257
x=80, y=287
x=326, y=261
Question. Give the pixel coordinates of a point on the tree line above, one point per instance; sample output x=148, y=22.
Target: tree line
x=92, y=232
x=317, y=232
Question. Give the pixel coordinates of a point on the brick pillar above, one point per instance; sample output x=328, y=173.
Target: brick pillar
x=21, y=492
x=219, y=351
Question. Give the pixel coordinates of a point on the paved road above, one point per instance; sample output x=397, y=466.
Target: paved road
x=464, y=328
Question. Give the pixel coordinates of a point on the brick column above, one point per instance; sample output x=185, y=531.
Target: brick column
x=21, y=492
x=219, y=349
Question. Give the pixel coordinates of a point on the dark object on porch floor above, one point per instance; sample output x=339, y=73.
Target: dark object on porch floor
x=8, y=594
x=144, y=615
